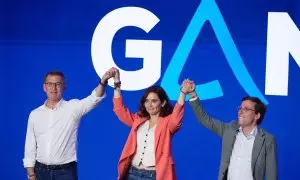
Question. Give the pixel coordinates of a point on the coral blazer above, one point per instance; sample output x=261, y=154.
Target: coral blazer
x=165, y=129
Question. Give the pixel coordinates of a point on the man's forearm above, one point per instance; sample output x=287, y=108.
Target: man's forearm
x=100, y=89
x=203, y=118
x=30, y=173
x=30, y=170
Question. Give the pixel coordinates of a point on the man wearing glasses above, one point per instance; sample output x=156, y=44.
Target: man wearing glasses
x=248, y=152
x=51, y=138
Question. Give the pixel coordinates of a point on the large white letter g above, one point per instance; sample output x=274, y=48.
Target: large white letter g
x=149, y=50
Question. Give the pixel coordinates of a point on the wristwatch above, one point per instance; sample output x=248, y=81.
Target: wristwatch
x=30, y=175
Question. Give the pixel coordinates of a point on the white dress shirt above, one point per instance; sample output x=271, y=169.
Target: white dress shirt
x=51, y=136
x=144, y=156
x=240, y=160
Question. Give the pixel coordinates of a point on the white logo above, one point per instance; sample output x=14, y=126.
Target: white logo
x=283, y=39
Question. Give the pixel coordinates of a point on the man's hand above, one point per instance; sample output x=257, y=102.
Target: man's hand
x=108, y=74
x=32, y=178
x=187, y=86
x=31, y=174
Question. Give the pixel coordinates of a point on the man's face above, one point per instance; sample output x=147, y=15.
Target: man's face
x=246, y=114
x=54, y=87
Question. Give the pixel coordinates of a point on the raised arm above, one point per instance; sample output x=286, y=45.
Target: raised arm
x=203, y=118
x=100, y=89
x=85, y=105
x=121, y=111
x=177, y=115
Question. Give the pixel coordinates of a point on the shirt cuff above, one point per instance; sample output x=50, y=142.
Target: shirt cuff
x=193, y=99
x=96, y=98
x=28, y=162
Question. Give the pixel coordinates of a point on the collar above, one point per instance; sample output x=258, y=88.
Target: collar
x=252, y=134
x=58, y=105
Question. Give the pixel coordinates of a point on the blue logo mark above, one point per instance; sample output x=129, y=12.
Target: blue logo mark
x=208, y=10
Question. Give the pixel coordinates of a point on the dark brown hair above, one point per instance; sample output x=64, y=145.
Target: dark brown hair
x=259, y=107
x=162, y=95
x=53, y=73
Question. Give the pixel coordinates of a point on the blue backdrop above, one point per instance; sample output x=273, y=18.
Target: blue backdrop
x=39, y=36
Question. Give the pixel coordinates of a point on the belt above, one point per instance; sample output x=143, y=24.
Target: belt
x=55, y=167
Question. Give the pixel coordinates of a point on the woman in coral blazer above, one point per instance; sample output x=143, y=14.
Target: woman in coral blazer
x=147, y=153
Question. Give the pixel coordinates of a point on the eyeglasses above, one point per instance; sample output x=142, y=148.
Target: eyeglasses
x=51, y=84
x=244, y=109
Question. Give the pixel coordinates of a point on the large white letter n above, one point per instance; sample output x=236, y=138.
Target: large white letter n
x=149, y=50
x=283, y=40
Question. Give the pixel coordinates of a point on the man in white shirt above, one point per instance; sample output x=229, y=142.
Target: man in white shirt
x=248, y=151
x=51, y=138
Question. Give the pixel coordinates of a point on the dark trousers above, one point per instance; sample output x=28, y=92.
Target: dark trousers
x=140, y=174
x=56, y=172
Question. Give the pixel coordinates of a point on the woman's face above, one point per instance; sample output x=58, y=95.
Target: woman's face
x=153, y=104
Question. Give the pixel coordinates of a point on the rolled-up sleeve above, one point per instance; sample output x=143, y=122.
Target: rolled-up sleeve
x=95, y=98
x=89, y=103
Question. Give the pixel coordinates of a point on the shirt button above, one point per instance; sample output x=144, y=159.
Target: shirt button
x=144, y=146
